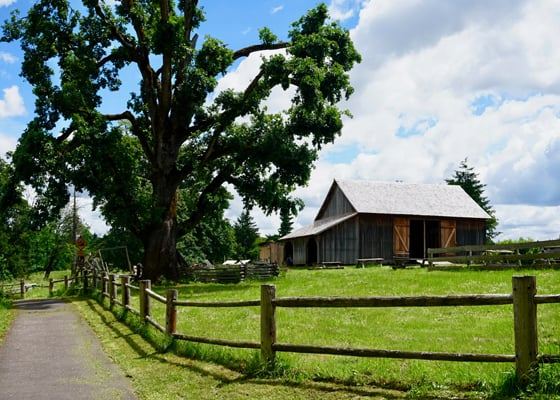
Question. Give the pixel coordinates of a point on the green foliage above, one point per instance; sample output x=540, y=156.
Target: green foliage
x=167, y=158
x=246, y=235
x=468, y=180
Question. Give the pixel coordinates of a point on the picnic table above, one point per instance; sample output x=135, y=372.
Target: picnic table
x=363, y=261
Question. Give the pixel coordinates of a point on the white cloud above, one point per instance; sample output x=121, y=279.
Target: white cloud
x=441, y=81
x=12, y=103
x=7, y=57
x=6, y=3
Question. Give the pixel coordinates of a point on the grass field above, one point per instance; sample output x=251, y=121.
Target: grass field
x=483, y=329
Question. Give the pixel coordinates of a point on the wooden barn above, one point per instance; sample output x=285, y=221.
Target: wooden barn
x=365, y=220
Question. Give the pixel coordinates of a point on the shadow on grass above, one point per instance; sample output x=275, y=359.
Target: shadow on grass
x=251, y=370
x=232, y=374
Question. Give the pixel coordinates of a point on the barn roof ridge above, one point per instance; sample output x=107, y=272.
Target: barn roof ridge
x=417, y=199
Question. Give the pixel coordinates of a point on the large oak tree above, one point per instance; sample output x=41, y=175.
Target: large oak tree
x=163, y=159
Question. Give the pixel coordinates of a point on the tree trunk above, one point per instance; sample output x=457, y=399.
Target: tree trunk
x=160, y=252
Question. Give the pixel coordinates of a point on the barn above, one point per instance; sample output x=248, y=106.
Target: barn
x=388, y=220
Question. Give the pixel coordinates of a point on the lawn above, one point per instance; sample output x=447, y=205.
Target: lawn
x=235, y=373
x=483, y=329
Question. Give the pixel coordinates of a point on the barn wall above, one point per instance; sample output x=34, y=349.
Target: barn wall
x=337, y=205
x=376, y=236
x=340, y=243
x=300, y=251
x=272, y=252
x=471, y=232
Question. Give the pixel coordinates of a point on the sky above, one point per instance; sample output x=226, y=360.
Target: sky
x=440, y=82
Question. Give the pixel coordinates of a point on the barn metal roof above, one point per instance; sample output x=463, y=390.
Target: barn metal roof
x=419, y=199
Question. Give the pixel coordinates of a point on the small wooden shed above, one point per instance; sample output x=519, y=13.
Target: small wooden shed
x=364, y=219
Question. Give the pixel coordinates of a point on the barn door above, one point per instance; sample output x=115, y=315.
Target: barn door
x=448, y=233
x=401, y=237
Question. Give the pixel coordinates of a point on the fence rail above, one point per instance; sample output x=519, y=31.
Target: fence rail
x=523, y=298
x=542, y=254
x=12, y=289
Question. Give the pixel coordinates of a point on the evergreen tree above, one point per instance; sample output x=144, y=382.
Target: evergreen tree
x=285, y=222
x=246, y=235
x=469, y=181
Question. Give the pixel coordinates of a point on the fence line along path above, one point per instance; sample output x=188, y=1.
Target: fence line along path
x=523, y=298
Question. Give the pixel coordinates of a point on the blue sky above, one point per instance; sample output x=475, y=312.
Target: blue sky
x=440, y=81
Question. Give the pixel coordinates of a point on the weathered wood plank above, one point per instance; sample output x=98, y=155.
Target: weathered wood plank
x=413, y=301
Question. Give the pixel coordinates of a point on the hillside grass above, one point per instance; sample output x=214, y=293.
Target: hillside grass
x=482, y=329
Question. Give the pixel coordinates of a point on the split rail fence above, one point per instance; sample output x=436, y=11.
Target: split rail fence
x=541, y=254
x=523, y=298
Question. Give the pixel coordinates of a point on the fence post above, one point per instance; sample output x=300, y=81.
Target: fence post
x=145, y=310
x=104, y=284
x=112, y=290
x=268, y=324
x=22, y=288
x=171, y=312
x=66, y=282
x=125, y=281
x=51, y=286
x=525, y=327
x=86, y=283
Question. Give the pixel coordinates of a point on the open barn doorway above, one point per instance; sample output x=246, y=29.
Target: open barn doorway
x=424, y=234
x=311, y=256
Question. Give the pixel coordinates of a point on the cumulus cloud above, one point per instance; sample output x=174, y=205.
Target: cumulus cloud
x=7, y=57
x=6, y=3
x=12, y=103
x=445, y=81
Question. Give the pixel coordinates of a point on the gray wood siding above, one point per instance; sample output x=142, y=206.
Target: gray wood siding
x=340, y=243
x=471, y=232
x=300, y=251
x=337, y=205
x=376, y=236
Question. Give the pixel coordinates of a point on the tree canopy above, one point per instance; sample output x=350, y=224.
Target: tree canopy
x=469, y=181
x=168, y=155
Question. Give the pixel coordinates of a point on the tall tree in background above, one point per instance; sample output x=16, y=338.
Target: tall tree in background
x=246, y=235
x=285, y=222
x=174, y=138
x=468, y=180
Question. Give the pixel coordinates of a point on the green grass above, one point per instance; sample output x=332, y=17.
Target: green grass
x=158, y=374
x=487, y=329
x=6, y=317
x=207, y=372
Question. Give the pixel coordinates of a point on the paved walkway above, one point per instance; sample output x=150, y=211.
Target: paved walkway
x=51, y=353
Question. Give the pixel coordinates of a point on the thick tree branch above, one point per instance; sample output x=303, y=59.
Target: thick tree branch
x=200, y=208
x=122, y=39
x=245, y=52
x=136, y=130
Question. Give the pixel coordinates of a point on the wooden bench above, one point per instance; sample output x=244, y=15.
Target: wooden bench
x=363, y=261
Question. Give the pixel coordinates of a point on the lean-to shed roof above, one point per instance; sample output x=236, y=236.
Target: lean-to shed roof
x=318, y=226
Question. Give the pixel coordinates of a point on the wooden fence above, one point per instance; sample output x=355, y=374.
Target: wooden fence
x=530, y=254
x=523, y=298
x=13, y=289
x=234, y=273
